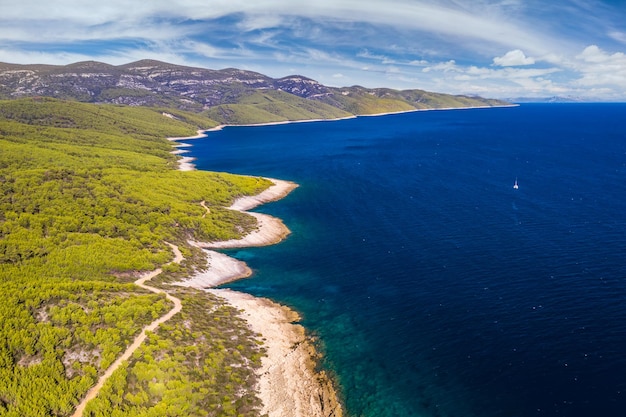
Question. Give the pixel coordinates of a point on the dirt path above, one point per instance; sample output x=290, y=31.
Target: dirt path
x=208, y=211
x=93, y=392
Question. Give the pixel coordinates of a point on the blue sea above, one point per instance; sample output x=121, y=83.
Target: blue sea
x=432, y=285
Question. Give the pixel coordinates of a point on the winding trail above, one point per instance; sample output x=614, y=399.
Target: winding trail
x=93, y=392
x=208, y=211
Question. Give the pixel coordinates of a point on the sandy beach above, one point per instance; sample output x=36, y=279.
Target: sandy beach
x=221, y=270
x=184, y=163
x=270, y=229
x=200, y=134
x=289, y=385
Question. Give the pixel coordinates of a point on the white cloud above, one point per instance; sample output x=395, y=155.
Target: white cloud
x=512, y=58
x=554, y=59
x=505, y=82
x=443, y=66
x=599, y=68
x=596, y=55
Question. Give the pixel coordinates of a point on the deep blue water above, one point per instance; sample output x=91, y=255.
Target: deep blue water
x=435, y=288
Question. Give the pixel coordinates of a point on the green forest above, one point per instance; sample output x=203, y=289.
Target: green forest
x=89, y=195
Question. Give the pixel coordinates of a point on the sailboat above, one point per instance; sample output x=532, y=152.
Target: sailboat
x=515, y=185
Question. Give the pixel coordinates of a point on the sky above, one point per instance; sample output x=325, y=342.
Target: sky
x=492, y=48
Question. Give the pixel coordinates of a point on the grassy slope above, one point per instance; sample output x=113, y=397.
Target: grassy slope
x=272, y=106
x=370, y=104
x=263, y=106
x=359, y=100
x=88, y=196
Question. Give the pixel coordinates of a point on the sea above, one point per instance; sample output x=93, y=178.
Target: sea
x=432, y=286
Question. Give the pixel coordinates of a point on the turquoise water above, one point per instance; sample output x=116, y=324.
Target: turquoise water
x=434, y=286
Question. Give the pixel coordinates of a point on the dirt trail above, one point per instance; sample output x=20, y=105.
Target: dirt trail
x=208, y=211
x=93, y=392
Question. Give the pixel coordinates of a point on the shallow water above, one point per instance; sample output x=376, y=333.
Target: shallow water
x=435, y=287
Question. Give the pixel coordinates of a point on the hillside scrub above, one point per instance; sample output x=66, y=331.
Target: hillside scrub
x=195, y=365
x=88, y=196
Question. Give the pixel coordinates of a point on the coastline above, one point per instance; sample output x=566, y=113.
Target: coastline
x=289, y=385
x=437, y=109
x=201, y=134
x=185, y=162
x=222, y=268
x=270, y=229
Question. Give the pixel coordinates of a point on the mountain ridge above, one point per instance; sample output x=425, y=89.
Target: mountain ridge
x=228, y=96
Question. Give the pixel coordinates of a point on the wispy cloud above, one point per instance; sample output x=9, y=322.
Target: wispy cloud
x=599, y=68
x=449, y=66
x=456, y=46
x=618, y=36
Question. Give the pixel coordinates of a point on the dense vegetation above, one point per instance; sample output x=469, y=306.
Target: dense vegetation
x=273, y=106
x=191, y=366
x=89, y=195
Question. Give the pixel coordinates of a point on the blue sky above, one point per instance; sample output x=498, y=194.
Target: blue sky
x=492, y=48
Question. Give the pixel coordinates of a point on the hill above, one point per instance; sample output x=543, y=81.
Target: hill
x=228, y=96
x=89, y=195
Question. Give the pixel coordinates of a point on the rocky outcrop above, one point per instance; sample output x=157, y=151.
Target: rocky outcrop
x=145, y=82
